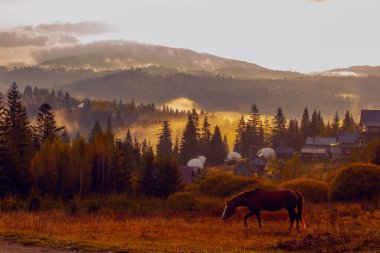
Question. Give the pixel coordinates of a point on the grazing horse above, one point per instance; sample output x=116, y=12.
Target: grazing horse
x=268, y=200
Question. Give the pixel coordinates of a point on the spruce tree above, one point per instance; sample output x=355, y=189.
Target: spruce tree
x=168, y=178
x=293, y=134
x=96, y=129
x=205, y=137
x=46, y=127
x=176, y=149
x=305, y=126
x=225, y=144
x=279, y=129
x=239, y=135
x=146, y=181
x=189, y=145
x=348, y=124
x=18, y=142
x=3, y=151
x=165, y=145
x=314, y=124
x=335, y=125
x=217, y=151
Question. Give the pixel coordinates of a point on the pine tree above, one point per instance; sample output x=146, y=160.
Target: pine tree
x=279, y=129
x=189, y=145
x=217, y=151
x=205, y=137
x=18, y=142
x=165, y=145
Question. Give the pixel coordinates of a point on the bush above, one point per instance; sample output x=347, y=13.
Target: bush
x=34, y=203
x=224, y=185
x=182, y=201
x=356, y=182
x=312, y=190
x=10, y=203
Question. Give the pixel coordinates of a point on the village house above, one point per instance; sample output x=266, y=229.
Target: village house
x=250, y=167
x=370, y=124
x=284, y=153
x=320, y=148
x=189, y=174
x=348, y=142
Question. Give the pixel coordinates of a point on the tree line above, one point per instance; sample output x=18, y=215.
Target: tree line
x=40, y=158
x=280, y=132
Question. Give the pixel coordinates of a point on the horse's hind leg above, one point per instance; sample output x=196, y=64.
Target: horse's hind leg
x=292, y=216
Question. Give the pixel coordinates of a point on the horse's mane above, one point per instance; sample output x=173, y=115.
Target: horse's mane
x=244, y=193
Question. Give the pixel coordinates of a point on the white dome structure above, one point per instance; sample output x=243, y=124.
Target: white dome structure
x=202, y=158
x=196, y=163
x=267, y=153
x=233, y=156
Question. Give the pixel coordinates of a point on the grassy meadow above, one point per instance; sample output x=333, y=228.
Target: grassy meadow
x=331, y=228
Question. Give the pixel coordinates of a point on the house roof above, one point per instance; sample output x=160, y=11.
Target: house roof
x=314, y=151
x=320, y=141
x=370, y=118
x=283, y=150
x=187, y=173
x=348, y=138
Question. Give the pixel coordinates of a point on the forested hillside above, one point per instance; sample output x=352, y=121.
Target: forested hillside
x=217, y=93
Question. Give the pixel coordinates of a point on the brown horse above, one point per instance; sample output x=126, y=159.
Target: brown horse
x=268, y=200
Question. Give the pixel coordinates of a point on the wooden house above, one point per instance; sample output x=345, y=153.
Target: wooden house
x=348, y=142
x=250, y=167
x=320, y=148
x=370, y=124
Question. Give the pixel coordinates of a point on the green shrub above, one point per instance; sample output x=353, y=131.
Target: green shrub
x=224, y=185
x=312, y=190
x=356, y=182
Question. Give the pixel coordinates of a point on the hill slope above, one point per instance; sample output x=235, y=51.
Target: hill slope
x=127, y=54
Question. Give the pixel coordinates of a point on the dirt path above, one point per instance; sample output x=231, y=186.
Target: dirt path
x=10, y=247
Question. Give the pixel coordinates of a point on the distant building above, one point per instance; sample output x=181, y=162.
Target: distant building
x=250, y=167
x=284, y=153
x=370, y=123
x=320, y=148
x=188, y=174
x=349, y=141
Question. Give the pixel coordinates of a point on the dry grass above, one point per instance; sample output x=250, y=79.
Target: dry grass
x=327, y=232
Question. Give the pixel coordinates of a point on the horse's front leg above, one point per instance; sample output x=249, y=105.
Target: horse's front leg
x=246, y=217
x=258, y=217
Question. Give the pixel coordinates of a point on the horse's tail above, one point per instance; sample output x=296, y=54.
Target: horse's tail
x=299, y=209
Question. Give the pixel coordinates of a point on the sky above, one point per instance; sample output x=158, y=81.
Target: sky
x=297, y=35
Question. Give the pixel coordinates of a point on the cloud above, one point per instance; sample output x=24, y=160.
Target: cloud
x=81, y=28
x=53, y=34
x=16, y=39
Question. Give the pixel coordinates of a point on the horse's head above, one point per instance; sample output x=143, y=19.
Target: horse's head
x=229, y=209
